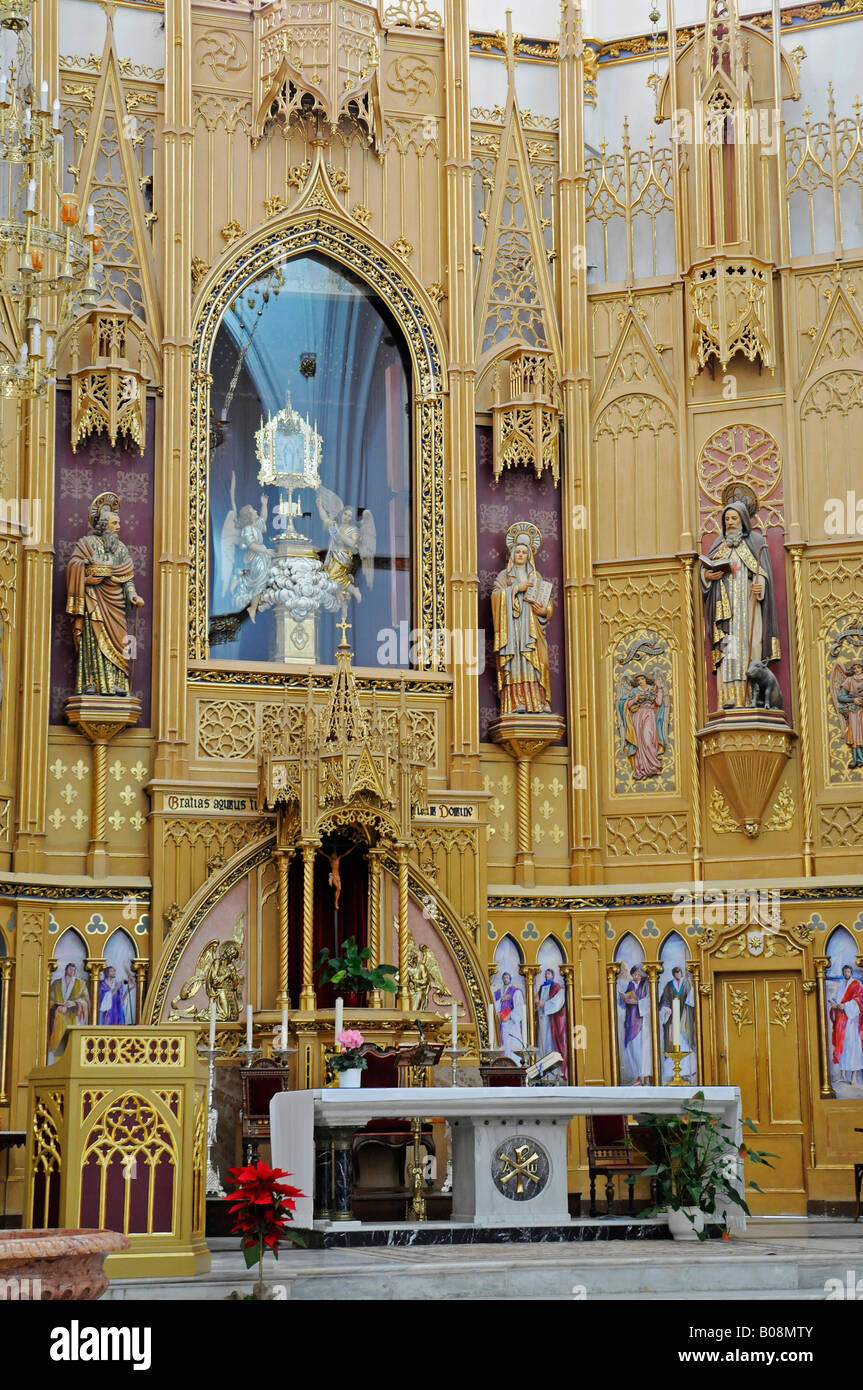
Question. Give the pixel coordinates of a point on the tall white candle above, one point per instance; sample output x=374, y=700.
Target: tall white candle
x=56, y=109
x=453, y=1027
x=340, y=1017
x=675, y=1022
x=43, y=96
x=284, y=1027
x=248, y=1025
x=212, y=1024
x=91, y=219
x=31, y=196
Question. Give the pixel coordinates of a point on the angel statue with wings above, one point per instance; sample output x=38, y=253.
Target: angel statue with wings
x=219, y=973
x=245, y=530
x=846, y=688
x=349, y=538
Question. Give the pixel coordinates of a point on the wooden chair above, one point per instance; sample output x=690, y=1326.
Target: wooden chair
x=503, y=1071
x=384, y=1197
x=858, y=1181
x=260, y=1081
x=611, y=1153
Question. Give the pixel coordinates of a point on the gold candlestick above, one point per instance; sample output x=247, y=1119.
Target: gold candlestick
x=677, y=1055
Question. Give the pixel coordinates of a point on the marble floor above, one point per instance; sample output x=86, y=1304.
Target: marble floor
x=782, y=1258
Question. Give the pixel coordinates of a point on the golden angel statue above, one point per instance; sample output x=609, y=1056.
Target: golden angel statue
x=219, y=972
x=521, y=606
x=424, y=979
x=349, y=538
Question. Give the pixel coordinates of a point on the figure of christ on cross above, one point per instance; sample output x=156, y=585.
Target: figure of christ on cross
x=334, y=879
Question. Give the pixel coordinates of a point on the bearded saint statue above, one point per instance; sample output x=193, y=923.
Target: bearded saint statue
x=100, y=587
x=520, y=646
x=739, y=598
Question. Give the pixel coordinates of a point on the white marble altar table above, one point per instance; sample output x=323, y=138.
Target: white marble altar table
x=498, y=1179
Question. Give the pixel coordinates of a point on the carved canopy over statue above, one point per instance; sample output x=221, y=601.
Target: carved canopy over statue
x=740, y=607
x=100, y=589
x=521, y=606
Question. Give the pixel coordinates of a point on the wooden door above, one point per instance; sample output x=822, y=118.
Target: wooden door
x=761, y=1050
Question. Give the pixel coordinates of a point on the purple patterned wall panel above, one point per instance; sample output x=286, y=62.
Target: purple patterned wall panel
x=80, y=477
x=518, y=496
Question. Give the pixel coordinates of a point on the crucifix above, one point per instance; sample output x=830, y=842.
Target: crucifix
x=343, y=627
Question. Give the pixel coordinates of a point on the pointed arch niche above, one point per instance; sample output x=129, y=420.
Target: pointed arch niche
x=69, y=991
x=312, y=306
x=632, y=1022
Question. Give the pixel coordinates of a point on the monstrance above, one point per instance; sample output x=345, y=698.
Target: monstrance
x=289, y=450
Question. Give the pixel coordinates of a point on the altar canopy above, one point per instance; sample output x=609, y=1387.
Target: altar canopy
x=309, y=338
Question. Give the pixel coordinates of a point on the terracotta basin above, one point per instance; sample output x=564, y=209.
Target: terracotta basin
x=67, y=1264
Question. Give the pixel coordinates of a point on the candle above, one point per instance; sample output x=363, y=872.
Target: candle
x=212, y=1025
x=453, y=1027
x=31, y=196
x=340, y=1019
x=35, y=338
x=27, y=118
x=49, y=351
x=43, y=97
x=284, y=1026
x=56, y=121
x=91, y=219
x=675, y=1023
x=248, y=1026
x=4, y=87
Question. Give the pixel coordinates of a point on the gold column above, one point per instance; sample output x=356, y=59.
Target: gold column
x=34, y=481
x=97, y=851
x=568, y=976
x=827, y=1092
x=653, y=972
x=404, y=999
x=530, y=973
x=576, y=486
x=525, y=867
x=612, y=971
x=95, y=965
x=803, y=688
x=307, y=993
x=692, y=700
x=7, y=965
x=140, y=968
x=461, y=454
x=171, y=490
x=375, y=996
x=695, y=972
x=283, y=864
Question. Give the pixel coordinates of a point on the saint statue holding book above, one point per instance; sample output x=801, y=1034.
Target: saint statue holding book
x=521, y=606
x=740, y=606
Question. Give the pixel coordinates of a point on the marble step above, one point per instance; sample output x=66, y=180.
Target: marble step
x=526, y=1272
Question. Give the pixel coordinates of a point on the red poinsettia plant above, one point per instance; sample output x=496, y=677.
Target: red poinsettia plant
x=262, y=1207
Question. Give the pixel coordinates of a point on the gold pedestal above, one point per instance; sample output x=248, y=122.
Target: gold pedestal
x=524, y=736
x=100, y=718
x=676, y=1056
x=747, y=750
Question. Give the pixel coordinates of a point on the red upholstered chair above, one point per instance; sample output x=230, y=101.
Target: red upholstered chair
x=503, y=1071
x=260, y=1081
x=611, y=1152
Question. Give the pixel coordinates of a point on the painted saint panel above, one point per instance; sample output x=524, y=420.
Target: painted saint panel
x=118, y=992
x=642, y=677
x=845, y=1014
x=845, y=706
x=552, y=1023
x=676, y=983
x=68, y=993
x=508, y=994
x=635, y=1049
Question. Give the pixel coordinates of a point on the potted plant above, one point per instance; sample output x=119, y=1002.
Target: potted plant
x=350, y=973
x=350, y=1062
x=697, y=1168
x=262, y=1206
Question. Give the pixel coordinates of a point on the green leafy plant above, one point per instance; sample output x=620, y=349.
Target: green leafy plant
x=350, y=972
x=697, y=1166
